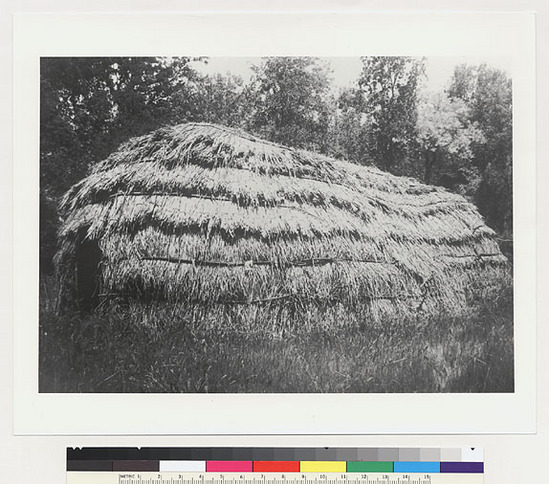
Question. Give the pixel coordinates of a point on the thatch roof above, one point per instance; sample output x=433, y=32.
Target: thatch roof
x=201, y=213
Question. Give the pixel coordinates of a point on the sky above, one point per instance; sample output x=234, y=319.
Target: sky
x=347, y=69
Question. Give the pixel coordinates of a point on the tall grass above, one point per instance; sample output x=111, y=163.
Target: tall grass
x=170, y=348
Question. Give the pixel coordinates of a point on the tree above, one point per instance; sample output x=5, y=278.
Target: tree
x=487, y=91
x=221, y=99
x=291, y=102
x=349, y=128
x=148, y=92
x=75, y=106
x=390, y=88
x=445, y=139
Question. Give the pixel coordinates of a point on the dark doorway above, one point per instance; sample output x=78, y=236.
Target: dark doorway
x=88, y=274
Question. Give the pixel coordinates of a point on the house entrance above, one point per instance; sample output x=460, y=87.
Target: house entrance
x=88, y=274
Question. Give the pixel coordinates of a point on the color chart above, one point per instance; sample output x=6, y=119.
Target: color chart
x=238, y=465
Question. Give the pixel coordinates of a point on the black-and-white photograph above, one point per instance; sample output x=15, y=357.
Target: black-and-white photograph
x=276, y=225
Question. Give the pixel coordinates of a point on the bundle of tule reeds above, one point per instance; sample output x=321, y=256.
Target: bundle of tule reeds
x=209, y=216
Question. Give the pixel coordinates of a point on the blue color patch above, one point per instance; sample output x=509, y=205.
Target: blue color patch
x=425, y=467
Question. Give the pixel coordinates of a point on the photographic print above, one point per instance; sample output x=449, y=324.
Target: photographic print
x=279, y=224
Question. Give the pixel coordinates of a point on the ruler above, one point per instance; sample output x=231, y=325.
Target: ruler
x=268, y=478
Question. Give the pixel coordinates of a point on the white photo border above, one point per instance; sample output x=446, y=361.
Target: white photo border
x=328, y=34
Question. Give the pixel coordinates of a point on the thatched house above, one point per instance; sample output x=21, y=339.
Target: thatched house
x=206, y=215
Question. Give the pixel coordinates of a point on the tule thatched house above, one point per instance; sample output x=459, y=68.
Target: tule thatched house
x=209, y=216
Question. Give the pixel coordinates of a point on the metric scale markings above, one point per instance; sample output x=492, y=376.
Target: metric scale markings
x=174, y=478
x=278, y=479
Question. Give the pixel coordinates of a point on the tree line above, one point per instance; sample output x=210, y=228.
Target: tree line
x=459, y=138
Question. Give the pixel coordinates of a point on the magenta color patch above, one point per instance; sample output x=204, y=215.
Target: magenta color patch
x=229, y=466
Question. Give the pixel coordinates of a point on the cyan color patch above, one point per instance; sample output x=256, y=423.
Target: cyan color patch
x=426, y=467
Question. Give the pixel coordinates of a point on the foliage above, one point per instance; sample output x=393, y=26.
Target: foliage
x=290, y=102
x=349, y=134
x=390, y=88
x=221, y=99
x=487, y=91
x=445, y=136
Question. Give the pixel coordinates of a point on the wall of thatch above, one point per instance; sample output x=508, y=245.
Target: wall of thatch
x=204, y=214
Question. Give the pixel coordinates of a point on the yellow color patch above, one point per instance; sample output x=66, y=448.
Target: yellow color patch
x=323, y=466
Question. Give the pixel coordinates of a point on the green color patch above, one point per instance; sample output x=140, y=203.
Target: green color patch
x=369, y=467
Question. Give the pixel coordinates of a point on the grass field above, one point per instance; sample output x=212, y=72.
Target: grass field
x=162, y=348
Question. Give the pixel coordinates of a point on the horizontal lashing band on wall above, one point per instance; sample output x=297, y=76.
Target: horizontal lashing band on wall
x=296, y=263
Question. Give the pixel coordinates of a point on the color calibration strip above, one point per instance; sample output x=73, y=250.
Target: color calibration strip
x=240, y=460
